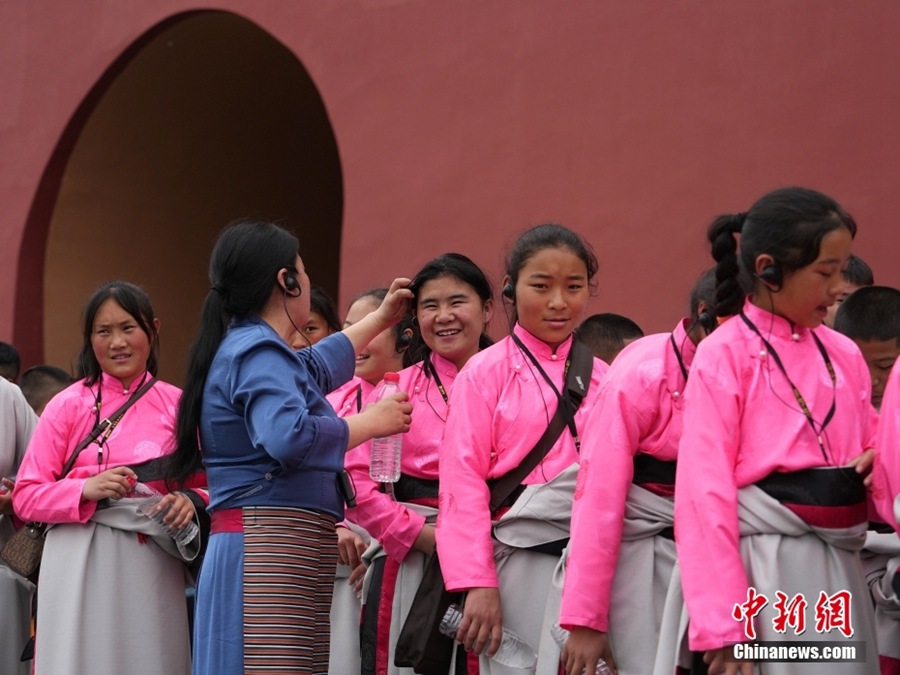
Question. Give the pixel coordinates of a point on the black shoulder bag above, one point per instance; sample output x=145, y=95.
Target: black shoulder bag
x=23, y=551
x=421, y=646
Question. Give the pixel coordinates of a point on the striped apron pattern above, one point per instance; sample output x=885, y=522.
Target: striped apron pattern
x=289, y=565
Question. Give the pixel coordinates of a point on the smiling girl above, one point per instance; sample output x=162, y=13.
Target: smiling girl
x=501, y=404
x=387, y=352
x=452, y=303
x=769, y=496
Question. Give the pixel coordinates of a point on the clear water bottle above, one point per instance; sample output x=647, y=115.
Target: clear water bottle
x=148, y=499
x=560, y=635
x=514, y=652
x=384, y=466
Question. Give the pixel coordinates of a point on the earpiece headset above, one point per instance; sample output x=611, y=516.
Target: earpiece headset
x=772, y=276
x=509, y=292
x=403, y=342
x=291, y=285
x=707, y=321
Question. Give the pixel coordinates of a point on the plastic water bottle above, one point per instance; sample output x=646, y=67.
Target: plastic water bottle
x=384, y=466
x=514, y=652
x=560, y=635
x=148, y=499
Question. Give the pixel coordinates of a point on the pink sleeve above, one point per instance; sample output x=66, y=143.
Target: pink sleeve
x=391, y=523
x=38, y=496
x=464, y=539
x=611, y=438
x=886, y=472
x=706, y=522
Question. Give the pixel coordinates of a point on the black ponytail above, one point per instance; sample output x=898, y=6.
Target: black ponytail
x=787, y=224
x=243, y=269
x=729, y=295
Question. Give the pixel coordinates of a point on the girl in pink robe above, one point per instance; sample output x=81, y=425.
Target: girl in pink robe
x=108, y=573
x=452, y=304
x=886, y=473
x=500, y=406
x=777, y=414
x=385, y=353
x=626, y=487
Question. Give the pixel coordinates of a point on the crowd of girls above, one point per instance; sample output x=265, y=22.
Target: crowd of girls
x=709, y=467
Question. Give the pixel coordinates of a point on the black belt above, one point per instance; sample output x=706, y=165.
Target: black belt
x=554, y=548
x=410, y=488
x=648, y=469
x=833, y=486
x=880, y=528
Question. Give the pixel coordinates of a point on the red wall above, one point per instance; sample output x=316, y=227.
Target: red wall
x=458, y=124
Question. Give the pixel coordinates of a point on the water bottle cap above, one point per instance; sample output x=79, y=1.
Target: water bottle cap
x=392, y=377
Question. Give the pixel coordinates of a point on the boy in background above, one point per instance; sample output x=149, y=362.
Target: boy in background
x=870, y=317
x=857, y=275
x=607, y=334
x=41, y=383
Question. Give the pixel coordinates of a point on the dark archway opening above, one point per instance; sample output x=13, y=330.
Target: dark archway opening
x=204, y=119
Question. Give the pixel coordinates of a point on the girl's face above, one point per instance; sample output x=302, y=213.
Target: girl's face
x=451, y=318
x=380, y=356
x=807, y=293
x=119, y=343
x=315, y=329
x=551, y=294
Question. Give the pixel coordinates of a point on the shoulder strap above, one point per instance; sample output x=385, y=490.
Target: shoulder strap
x=104, y=424
x=578, y=381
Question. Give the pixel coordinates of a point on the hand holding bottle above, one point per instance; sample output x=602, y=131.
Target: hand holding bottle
x=513, y=651
x=174, y=511
x=391, y=415
x=110, y=484
x=481, y=625
x=582, y=648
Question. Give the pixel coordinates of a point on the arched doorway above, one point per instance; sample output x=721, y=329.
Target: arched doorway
x=205, y=119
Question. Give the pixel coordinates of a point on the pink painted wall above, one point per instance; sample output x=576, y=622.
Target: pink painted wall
x=460, y=124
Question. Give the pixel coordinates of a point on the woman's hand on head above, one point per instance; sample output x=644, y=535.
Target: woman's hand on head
x=584, y=648
x=109, y=484
x=395, y=304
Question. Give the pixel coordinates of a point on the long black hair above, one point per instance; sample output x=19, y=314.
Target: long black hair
x=135, y=301
x=243, y=269
x=787, y=224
